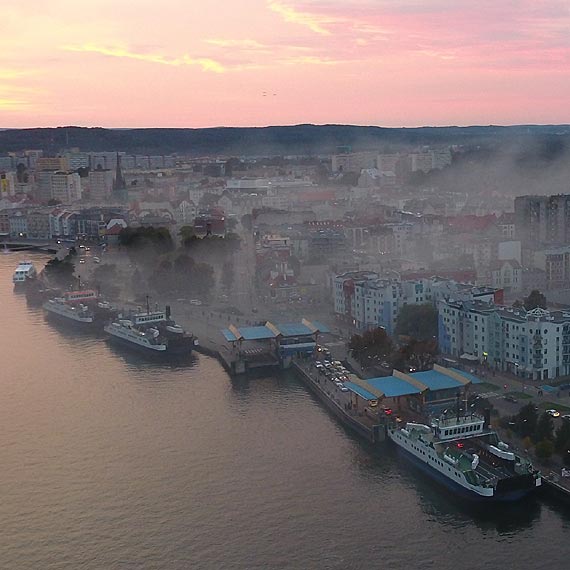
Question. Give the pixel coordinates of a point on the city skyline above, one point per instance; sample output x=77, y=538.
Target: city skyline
x=262, y=62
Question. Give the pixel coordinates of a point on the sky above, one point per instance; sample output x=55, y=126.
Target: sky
x=189, y=63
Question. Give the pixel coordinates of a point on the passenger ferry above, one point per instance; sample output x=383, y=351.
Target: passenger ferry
x=24, y=274
x=80, y=307
x=467, y=456
x=152, y=333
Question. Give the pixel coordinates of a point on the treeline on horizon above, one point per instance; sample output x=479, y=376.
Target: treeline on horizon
x=296, y=140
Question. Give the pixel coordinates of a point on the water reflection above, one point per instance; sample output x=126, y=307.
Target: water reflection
x=437, y=501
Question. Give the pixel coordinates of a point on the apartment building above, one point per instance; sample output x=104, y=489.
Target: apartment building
x=531, y=344
x=543, y=219
x=368, y=301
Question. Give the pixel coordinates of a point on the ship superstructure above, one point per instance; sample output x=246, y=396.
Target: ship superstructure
x=467, y=455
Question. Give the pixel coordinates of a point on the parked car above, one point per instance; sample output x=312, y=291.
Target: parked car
x=553, y=413
x=196, y=302
x=510, y=398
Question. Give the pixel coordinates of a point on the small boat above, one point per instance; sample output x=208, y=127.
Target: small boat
x=25, y=274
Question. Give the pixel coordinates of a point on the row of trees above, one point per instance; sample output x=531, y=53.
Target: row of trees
x=376, y=347
x=538, y=430
x=535, y=299
x=182, y=275
x=188, y=270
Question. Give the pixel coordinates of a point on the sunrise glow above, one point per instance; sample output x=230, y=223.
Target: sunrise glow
x=185, y=63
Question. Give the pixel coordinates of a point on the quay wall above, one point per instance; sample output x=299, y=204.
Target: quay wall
x=373, y=434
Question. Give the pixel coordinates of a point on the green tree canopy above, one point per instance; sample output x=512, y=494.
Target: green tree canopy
x=417, y=354
x=372, y=346
x=525, y=422
x=147, y=240
x=535, y=299
x=417, y=321
x=544, y=428
x=60, y=272
x=544, y=449
x=562, y=441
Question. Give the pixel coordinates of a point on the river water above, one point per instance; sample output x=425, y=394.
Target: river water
x=109, y=462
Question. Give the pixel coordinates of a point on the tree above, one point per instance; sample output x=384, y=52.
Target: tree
x=526, y=421
x=373, y=345
x=60, y=272
x=187, y=234
x=534, y=300
x=544, y=450
x=247, y=222
x=417, y=321
x=106, y=279
x=544, y=428
x=144, y=243
x=418, y=354
x=228, y=275
x=562, y=441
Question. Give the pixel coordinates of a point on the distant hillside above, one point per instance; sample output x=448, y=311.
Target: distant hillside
x=298, y=139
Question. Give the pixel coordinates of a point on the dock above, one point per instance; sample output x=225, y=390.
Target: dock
x=556, y=487
x=342, y=405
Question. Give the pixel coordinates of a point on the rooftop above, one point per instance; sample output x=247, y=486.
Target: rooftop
x=270, y=330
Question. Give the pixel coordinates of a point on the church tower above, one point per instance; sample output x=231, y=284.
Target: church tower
x=119, y=185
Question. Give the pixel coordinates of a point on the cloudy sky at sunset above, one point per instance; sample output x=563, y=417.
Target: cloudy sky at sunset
x=190, y=63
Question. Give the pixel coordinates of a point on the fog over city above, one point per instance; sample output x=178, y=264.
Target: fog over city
x=285, y=285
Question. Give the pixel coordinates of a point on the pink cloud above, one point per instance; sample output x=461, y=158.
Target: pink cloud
x=387, y=62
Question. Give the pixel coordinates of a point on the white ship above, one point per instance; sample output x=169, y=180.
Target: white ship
x=25, y=272
x=466, y=455
x=78, y=312
x=151, y=332
x=80, y=307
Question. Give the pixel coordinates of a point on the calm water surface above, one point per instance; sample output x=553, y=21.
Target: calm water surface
x=110, y=463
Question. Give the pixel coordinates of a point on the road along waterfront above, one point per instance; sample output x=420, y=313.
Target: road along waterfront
x=110, y=462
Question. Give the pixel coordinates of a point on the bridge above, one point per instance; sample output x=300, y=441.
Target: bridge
x=28, y=245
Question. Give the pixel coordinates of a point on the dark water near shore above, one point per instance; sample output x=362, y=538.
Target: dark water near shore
x=108, y=462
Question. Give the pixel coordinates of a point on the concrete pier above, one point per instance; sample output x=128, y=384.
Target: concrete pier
x=370, y=428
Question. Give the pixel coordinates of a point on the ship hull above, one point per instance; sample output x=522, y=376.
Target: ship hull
x=456, y=488
x=58, y=318
x=170, y=352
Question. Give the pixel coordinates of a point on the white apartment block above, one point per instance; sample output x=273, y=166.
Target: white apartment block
x=531, y=344
x=369, y=301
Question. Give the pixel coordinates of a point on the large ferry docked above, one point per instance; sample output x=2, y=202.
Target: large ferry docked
x=80, y=307
x=468, y=456
x=152, y=333
x=25, y=273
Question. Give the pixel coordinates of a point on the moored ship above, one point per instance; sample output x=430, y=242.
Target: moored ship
x=466, y=455
x=80, y=307
x=24, y=274
x=151, y=332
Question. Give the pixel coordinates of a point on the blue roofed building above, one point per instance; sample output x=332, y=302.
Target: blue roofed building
x=280, y=340
x=426, y=393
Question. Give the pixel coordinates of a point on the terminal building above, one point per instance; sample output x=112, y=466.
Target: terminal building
x=270, y=344
x=427, y=393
